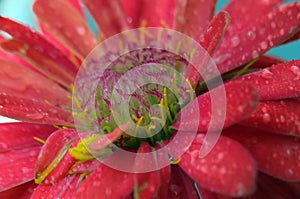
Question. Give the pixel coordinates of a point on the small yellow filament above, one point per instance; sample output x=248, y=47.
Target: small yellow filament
x=164, y=24
x=176, y=161
x=39, y=140
x=166, y=105
x=178, y=47
x=190, y=90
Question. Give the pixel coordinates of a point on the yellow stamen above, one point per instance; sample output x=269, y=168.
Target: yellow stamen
x=164, y=24
x=39, y=140
x=176, y=161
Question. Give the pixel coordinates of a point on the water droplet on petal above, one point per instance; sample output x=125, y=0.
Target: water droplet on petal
x=129, y=20
x=281, y=32
x=235, y=41
x=282, y=119
x=264, y=45
x=296, y=71
x=255, y=54
x=273, y=24
x=35, y=116
x=266, y=117
x=266, y=74
x=80, y=30
x=251, y=35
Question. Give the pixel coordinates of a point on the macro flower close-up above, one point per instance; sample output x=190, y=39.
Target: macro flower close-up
x=150, y=99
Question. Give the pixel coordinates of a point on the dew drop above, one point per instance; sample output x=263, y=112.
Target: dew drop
x=1, y=106
x=295, y=70
x=235, y=41
x=255, y=54
x=273, y=25
x=266, y=117
x=282, y=119
x=266, y=74
x=264, y=109
x=251, y=35
x=80, y=30
x=129, y=19
x=35, y=116
x=264, y=45
x=281, y=32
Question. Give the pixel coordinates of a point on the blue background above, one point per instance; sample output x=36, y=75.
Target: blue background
x=22, y=12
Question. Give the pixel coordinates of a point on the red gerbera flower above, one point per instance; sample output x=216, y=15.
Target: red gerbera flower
x=257, y=155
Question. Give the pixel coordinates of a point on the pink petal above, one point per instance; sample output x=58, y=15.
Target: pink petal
x=23, y=191
x=64, y=188
x=157, y=13
x=18, y=135
x=210, y=40
x=33, y=111
x=54, y=154
x=276, y=82
x=86, y=167
x=105, y=182
x=151, y=184
x=109, y=16
x=228, y=169
x=193, y=16
x=131, y=9
x=241, y=101
x=181, y=186
x=17, y=167
x=67, y=24
x=31, y=86
x=255, y=37
x=49, y=67
x=277, y=117
x=37, y=41
x=276, y=155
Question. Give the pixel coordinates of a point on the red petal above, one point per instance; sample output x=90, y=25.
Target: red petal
x=53, y=153
x=255, y=37
x=17, y=167
x=37, y=41
x=277, y=117
x=181, y=186
x=86, y=167
x=269, y=187
x=241, y=101
x=64, y=188
x=19, y=81
x=266, y=61
x=41, y=62
x=109, y=15
x=131, y=9
x=209, y=42
x=151, y=184
x=18, y=135
x=23, y=191
x=33, y=111
x=294, y=38
x=276, y=82
x=157, y=13
x=277, y=155
x=105, y=183
x=228, y=169
x=193, y=16
x=67, y=24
